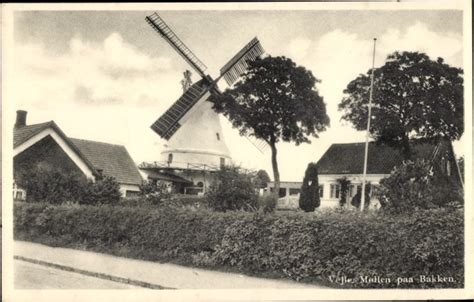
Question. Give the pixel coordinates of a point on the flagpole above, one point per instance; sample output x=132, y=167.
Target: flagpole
x=366, y=154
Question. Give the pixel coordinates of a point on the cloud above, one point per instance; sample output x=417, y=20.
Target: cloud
x=298, y=48
x=110, y=72
x=109, y=91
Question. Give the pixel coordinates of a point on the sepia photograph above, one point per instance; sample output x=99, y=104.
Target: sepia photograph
x=236, y=147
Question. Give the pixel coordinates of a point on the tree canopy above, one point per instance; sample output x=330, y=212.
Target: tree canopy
x=414, y=97
x=262, y=178
x=275, y=100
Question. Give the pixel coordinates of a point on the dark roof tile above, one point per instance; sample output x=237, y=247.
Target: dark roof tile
x=113, y=160
x=349, y=158
x=22, y=134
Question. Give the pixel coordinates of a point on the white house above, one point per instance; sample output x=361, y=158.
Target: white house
x=346, y=161
x=45, y=144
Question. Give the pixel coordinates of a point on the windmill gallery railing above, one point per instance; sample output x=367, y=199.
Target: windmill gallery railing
x=164, y=165
x=178, y=166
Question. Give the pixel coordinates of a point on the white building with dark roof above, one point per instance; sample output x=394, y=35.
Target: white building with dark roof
x=347, y=160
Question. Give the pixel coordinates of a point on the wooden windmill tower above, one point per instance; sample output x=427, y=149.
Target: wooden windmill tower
x=190, y=126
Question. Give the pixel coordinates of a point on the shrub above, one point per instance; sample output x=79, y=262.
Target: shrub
x=356, y=200
x=309, y=196
x=351, y=244
x=416, y=184
x=57, y=187
x=50, y=185
x=105, y=190
x=268, y=202
x=261, y=179
x=154, y=192
x=344, y=183
x=232, y=190
x=148, y=233
x=297, y=245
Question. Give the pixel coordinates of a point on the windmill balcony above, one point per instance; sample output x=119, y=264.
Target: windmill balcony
x=178, y=166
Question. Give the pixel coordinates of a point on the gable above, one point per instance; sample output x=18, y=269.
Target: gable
x=28, y=136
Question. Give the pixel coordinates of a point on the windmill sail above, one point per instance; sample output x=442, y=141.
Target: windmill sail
x=168, y=123
x=159, y=25
x=239, y=63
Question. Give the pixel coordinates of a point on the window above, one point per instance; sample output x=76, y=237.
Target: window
x=282, y=192
x=131, y=193
x=170, y=158
x=18, y=193
x=334, y=191
x=218, y=136
x=321, y=191
x=294, y=191
x=222, y=162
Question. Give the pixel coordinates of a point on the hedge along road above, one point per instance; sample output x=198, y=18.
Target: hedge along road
x=163, y=275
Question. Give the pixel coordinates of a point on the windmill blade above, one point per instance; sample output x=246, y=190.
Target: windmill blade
x=239, y=63
x=168, y=123
x=159, y=25
x=259, y=144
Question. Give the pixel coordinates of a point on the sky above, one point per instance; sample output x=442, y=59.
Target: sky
x=107, y=76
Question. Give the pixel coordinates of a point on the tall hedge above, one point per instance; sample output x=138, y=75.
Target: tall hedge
x=309, y=196
x=308, y=247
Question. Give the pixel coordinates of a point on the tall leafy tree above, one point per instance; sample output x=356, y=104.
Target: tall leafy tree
x=309, y=196
x=275, y=100
x=414, y=97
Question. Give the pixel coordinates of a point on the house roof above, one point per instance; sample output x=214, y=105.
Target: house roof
x=113, y=160
x=22, y=134
x=349, y=158
x=167, y=176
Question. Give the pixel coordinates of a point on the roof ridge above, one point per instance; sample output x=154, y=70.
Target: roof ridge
x=97, y=142
x=38, y=124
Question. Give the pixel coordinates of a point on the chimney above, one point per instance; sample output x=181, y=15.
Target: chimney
x=20, y=118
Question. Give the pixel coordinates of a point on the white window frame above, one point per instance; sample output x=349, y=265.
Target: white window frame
x=335, y=191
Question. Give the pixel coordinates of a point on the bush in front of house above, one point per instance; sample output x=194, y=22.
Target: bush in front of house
x=356, y=200
x=232, y=189
x=344, y=184
x=154, y=192
x=268, y=202
x=310, y=247
x=57, y=187
x=417, y=185
x=50, y=185
x=105, y=190
x=309, y=196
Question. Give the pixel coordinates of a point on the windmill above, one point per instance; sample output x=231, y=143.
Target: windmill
x=190, y=126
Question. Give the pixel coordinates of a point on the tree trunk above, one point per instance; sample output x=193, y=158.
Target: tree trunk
x=276, y=173
x=406, y=148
